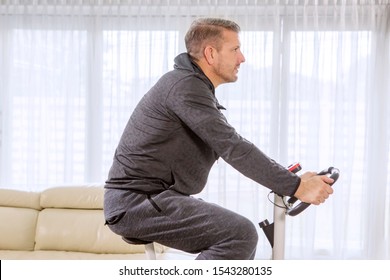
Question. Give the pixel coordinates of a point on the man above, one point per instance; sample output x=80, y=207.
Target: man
x=169, y=145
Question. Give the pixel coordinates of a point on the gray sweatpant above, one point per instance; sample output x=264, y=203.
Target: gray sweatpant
x=181, y=222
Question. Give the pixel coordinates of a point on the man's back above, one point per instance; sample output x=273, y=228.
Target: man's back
x=159, y=148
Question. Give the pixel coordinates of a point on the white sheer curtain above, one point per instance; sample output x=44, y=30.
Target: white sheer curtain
x=314, y=88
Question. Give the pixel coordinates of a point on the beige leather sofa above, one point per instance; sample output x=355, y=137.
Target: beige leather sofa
x=63, y=223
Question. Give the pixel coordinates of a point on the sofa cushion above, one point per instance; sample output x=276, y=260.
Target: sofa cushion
x=79, y=230
x=82, y=197
x=18, y=213
x=17, y=228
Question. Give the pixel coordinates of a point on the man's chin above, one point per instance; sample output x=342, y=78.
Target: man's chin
x=230, y=80
x=235, y=78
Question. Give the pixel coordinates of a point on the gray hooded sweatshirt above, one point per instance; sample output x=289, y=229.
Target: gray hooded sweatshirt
x=177, y=132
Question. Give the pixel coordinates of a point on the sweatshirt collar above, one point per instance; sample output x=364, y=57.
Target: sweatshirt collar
x=184, y=62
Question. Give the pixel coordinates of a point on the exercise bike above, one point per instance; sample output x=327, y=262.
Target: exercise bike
x=284, y=206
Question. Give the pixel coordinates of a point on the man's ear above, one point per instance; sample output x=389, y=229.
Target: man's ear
x=209, y=54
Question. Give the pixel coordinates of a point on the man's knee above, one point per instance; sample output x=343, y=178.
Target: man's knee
x=245, y=238
x=248, y=233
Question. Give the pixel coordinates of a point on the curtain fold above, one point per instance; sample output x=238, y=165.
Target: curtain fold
x=314, y=88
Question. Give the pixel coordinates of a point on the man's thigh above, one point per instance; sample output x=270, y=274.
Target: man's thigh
x=182, y=222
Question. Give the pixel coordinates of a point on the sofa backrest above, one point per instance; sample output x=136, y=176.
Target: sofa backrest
x=67, y=218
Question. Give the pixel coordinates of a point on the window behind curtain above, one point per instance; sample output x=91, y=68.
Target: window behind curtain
x=327, y=114
x=52, y=101
x=314, y=89
x=46, y=107
x=132, y=62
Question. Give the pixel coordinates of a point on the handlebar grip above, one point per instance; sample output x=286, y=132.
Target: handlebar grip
x=334, y=174
x=297, y=209
x=292, y=200
x=333, y=171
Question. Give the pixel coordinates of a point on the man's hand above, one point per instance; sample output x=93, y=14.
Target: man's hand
x=314, y=189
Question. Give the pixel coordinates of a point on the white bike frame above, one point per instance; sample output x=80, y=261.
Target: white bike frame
x=279, y=229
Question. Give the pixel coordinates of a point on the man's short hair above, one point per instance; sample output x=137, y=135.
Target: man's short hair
x=206, y=31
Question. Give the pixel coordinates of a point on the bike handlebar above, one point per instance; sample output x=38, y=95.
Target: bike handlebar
x=334, y=174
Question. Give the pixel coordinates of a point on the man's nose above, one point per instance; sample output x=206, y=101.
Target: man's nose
x=242, y=59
